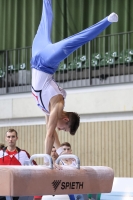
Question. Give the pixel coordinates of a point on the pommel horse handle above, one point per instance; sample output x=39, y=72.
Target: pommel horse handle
x=48, y=157
x=69, y=156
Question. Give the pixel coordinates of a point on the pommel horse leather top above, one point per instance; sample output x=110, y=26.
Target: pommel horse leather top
x=41, y=180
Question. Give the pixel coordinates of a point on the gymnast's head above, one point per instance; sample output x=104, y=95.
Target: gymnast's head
x=69, y=122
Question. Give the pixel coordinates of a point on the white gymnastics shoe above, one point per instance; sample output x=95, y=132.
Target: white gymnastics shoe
x=113, y=17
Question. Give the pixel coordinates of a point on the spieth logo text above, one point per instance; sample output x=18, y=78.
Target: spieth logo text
x=67, y=185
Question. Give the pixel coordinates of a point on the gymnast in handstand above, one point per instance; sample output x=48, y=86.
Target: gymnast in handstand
x=46, y=58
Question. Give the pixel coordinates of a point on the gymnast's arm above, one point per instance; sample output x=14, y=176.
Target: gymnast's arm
x=49, y=140
x=51, y=124
x=56, y=141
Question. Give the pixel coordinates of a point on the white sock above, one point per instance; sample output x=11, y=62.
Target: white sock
x=113, y=17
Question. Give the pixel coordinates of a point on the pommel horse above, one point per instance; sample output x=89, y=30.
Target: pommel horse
x=34, y=180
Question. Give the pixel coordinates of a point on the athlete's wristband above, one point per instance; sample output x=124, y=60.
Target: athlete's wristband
x=59, y=150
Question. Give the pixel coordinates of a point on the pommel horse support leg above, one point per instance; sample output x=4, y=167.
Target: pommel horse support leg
x=43, y=180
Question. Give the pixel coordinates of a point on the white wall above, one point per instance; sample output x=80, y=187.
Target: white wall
x=92, y=103
x=122, y=190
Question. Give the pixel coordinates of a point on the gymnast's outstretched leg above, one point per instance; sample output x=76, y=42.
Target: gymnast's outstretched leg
x=42, y=38
x=67, y=46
